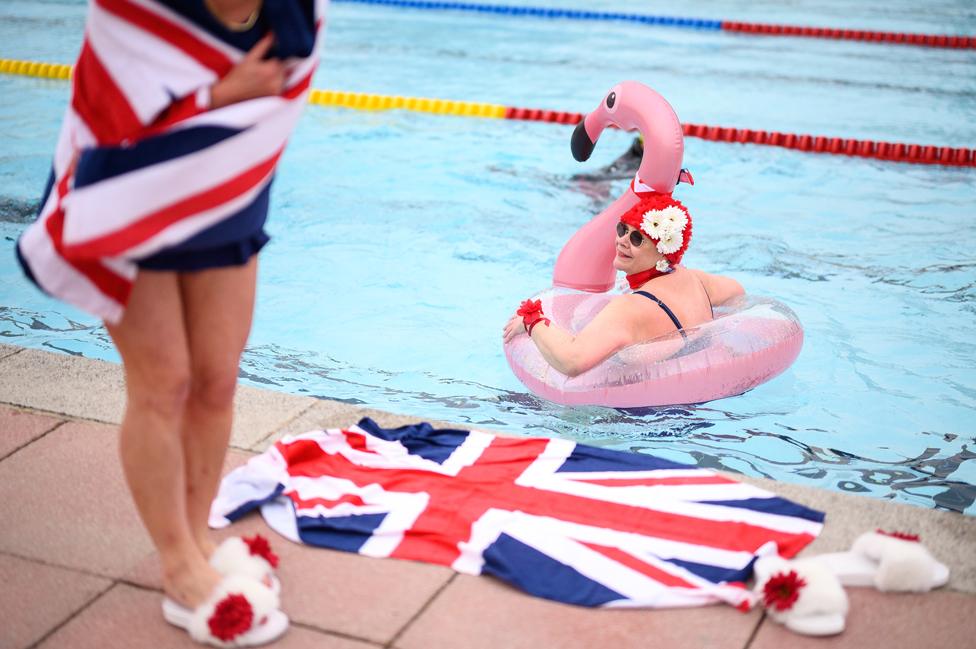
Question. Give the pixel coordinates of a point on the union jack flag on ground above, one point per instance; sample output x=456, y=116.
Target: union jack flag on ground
x=142, y=164
x=560, y=520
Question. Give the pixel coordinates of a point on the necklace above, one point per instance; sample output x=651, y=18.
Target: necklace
x=636, y=280
x=234, y=26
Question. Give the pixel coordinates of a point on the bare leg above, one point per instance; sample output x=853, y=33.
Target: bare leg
x=151, y=339
x=218, y=307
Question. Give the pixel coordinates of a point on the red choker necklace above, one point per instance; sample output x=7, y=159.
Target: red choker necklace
x=639, y=279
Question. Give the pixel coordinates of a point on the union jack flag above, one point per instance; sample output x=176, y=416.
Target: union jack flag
x=560, y=520
x=141, y=163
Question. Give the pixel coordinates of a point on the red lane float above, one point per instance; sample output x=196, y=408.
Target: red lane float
x=892, y=151
x=900, y=38
x=889, y=151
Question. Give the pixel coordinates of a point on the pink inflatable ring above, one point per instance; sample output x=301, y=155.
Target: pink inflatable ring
x=750, y=340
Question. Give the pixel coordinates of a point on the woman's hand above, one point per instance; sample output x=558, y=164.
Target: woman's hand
x=251, y=78
x=513, y=328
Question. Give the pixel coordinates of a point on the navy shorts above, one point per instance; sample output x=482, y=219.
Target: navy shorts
x=231, y=254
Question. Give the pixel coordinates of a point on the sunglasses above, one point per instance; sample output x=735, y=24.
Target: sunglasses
x=636, y=238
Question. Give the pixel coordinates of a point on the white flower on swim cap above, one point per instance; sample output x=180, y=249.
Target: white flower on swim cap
x=662, y=266
x=674, y=220
x=670, y=242
x=653, y=224
x=660, y=224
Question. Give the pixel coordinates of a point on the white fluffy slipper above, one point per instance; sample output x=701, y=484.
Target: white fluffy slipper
x=892, y=562
x=240, y=612
x=250, y=556
x=801, y=595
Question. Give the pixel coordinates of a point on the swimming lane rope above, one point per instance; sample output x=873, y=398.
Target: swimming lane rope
x=903, y=38
x=891, y=151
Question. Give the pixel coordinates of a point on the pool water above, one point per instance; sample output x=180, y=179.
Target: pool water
x=402, y=241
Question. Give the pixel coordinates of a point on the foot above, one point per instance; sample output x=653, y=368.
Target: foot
x=190, y=586
x=238, y=612
x=206, y=545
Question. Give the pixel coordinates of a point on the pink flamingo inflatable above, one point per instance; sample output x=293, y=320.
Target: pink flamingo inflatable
x=749, y=341
x=586, y=261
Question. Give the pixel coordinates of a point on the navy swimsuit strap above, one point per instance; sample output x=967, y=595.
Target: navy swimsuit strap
x=674, y=319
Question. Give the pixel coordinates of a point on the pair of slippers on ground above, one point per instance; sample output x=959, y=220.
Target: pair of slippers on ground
x=807, y=595
x=243, y=610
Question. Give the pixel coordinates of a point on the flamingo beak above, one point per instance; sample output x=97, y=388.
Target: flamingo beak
x=581, y=144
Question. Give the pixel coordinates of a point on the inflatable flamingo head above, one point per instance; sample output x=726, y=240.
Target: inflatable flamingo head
x=633, y=106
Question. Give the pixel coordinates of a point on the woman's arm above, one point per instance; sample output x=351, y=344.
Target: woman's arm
x=610, y=331
x=718, y=287
x=252, y=77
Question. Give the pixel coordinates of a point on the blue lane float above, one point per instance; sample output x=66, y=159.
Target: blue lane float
x=547, y=12
x=952, y=41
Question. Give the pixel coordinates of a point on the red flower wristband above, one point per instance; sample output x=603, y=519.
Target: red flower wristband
x=530, y=308
x=528, y=328
x=531, y=312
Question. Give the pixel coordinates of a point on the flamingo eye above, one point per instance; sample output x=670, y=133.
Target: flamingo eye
x=611, y=99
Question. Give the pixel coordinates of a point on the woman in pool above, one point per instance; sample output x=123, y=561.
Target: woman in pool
x=651, y=239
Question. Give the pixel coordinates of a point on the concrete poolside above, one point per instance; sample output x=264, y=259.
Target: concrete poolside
x=78, y=570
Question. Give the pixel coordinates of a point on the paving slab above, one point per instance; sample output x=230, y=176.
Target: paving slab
x=9, y=350
x=20, y=427
x=130, y=617
x=483, y=613
x=259, y=413
x=36, y=598
x=326, y=413
x=355, y=595
x=64, y=501
x=951, y=537
x=333, y=591
x=77, y=387
x=936, y=620
x=92, y=389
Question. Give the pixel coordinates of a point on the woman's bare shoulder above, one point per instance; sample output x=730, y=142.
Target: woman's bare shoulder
x=646, y=318
x=719, y=287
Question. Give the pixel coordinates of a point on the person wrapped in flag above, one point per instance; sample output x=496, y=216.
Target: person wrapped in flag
x=565, y=521
x=152, y=219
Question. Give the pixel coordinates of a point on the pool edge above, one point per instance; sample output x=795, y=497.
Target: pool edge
x=79, y=388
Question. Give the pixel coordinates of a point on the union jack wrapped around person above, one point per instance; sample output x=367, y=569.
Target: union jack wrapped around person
x=557, y=519
x=142, y=164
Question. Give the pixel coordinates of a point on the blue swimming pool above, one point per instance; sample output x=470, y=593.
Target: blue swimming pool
x=403, y=241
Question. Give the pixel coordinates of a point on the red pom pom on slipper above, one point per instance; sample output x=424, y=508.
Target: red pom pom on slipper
x=240, y=612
